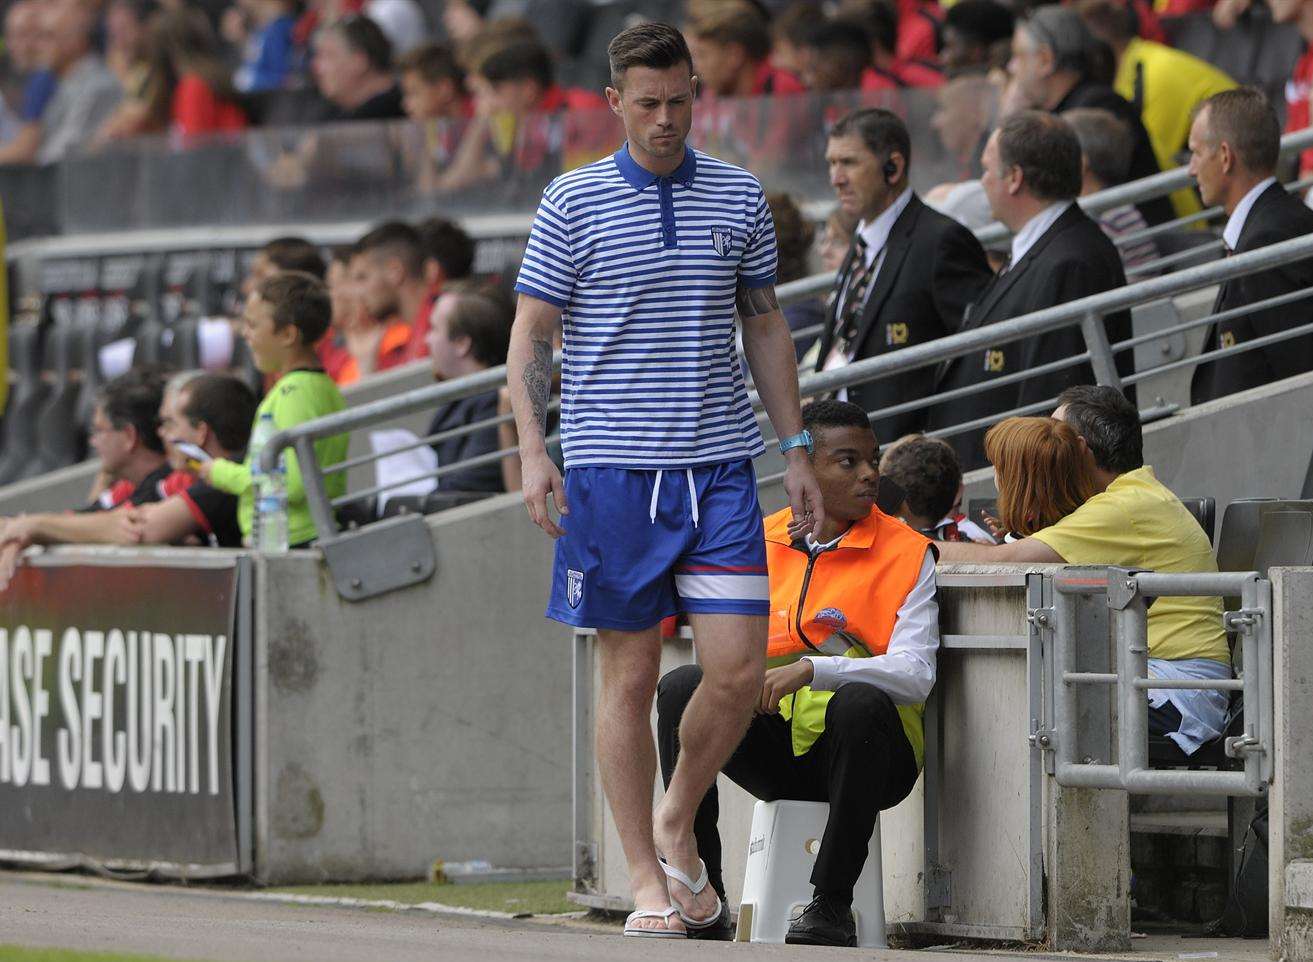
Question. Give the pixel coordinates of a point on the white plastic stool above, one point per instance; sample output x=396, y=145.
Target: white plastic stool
x=782, y=848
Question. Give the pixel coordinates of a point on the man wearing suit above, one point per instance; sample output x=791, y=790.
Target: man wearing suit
x=1234, y=145
x=1032, y=176
x=909, y=274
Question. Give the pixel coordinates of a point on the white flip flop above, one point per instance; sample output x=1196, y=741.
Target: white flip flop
x=662, y=933
x=696, y=888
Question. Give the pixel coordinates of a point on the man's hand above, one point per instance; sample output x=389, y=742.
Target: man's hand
x=19, y=530
x=541, y=481
x=132, y=523
x=804, y=495
x=10, y=553
x=781, y=682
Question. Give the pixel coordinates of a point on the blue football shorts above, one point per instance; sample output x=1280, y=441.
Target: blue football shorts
x=643, y=545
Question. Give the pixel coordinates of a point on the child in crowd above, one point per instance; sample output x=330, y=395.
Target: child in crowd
x=264, y=28
x=928, y=472
x=285, y=317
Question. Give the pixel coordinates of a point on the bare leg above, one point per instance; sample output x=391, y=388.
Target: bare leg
x=626, y=757
x=732, y=652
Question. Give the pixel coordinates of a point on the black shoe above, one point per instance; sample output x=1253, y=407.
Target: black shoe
x=823, y=922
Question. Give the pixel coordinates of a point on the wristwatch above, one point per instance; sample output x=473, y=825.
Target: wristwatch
x=803, y=440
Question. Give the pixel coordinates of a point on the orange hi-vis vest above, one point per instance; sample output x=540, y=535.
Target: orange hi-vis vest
x=850, y=596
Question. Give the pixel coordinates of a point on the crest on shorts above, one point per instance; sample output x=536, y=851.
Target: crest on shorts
x=721, y=238
x=574, y=587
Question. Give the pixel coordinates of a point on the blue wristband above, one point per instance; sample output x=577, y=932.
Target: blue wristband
x=803, y=440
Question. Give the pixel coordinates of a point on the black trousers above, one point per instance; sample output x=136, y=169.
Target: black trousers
x=861, y=764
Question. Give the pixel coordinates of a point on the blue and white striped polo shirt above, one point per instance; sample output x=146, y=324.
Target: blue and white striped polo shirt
x=645, y=270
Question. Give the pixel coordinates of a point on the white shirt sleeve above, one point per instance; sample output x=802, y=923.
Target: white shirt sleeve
x=906, y=671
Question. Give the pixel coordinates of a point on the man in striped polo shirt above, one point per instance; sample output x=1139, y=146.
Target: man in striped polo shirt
x=644, y=257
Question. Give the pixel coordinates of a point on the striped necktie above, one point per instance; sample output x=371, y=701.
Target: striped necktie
x=859, y=280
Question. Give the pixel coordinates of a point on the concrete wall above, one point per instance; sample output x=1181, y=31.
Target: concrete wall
x=430, y=723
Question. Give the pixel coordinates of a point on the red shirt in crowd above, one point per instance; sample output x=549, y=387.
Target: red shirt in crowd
x=419, y=328
x=197, y=109
x=918, y=25
x=772, y=81
x=903, y=73
x=1299, y=90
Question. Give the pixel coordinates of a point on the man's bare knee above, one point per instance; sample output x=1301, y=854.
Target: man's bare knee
x=737, y=679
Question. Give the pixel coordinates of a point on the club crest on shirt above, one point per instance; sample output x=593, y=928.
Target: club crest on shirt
x=721, y=238
x=896, y=334
x=574, y=587
x=995, y=361
x=832, y=617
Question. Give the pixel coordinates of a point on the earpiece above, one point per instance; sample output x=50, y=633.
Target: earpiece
x=890, y=171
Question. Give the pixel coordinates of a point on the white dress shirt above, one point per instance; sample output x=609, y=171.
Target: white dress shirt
x=875, y=235
x=906, y=671
x=1034, y=229
x=1236, y=222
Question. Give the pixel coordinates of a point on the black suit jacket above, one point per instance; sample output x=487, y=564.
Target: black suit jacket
x=1071, y=260
x=1143, y=161
x=1276, y=216
x=933, y=267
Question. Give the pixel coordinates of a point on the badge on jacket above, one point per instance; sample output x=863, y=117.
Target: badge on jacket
x=896, y=334
x=995, y=361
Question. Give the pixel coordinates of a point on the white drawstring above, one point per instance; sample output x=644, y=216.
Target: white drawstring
x=692, y=496
x=656, y=490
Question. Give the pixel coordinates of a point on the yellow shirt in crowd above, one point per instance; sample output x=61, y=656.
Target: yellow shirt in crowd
x=1138, y=523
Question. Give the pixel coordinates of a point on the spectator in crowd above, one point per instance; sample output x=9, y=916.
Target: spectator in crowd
x=1043, y=471
x=1052, y=69
x=911, y=271
x=1105, y=146
x=30, y=83
x=448, y=252
x=1032, y=178
x=843, y=724
x=1299, y=89
x=85, y=94
x=793, y=243
x=926, y=470
x=1164, y=84
x=791, y=23
x=433, y=94
x=127, y=53
x=977, y=37
x=888, y=70
x=835, y=54
x=285, y=318
x=1235, y=144
x=1133, y=521
x=214, y=413
x=125, y=437
x=836, y=240
x=352, y=68
x=269, y=51
x=966, y=113
x=731, y=45
x=349, y=316
x=282, y=254
x=189, y=79
x=387, y=268
x=470, y=331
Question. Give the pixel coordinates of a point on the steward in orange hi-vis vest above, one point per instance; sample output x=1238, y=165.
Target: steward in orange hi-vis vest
x=840, y=601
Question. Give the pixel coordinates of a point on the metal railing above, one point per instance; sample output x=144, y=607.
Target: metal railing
x=1071, y=728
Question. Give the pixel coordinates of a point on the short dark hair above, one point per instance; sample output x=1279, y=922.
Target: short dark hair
x=519, y=60
x=928, y=471
x=841, y=38
x=1108, y=422
x=1046, y=149
x=397, y=239
x=829, y=413
x=1105, y=142
x=294, y=254
x=364, y=36
x=738, y=24
x=134, y=399
x=447, y=243
x=484, y=314
x=225, y=404
x=882, y=131
x=299, y=299
x=981, y=21
x=1109, y=20
x=658, y=46
x=433, y=62
x=879, y=18
x=793, y=236
x=1245, y=118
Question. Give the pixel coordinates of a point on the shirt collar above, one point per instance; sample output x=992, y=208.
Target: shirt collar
x=640, y=178
x=1035, y=228
x=1235, y=224
x=875, y=234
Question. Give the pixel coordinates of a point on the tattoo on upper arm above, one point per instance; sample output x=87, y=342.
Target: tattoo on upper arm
x=538, y=380
x=755, y=301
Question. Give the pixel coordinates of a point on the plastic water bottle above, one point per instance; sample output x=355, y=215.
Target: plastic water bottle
x=269, y=490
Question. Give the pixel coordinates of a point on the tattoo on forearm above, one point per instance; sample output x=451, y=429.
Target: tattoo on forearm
x=755, y=301
x=538, y=381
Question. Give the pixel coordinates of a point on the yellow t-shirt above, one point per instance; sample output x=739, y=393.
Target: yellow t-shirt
x=1174, y=82
x=1138, y=523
